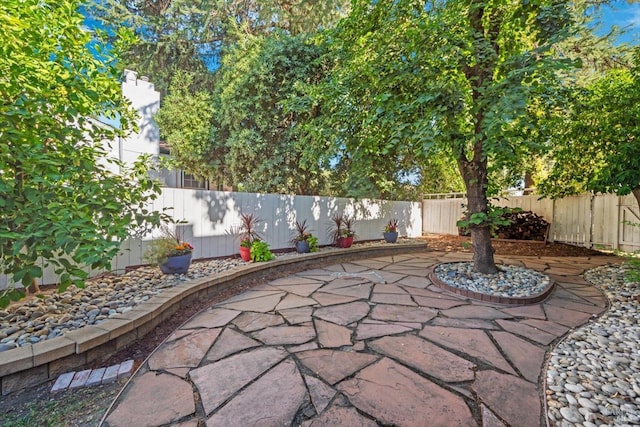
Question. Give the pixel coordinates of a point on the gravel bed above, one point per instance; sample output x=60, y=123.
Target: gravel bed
x=39, y=319
x=511, y=281
x=593, y=375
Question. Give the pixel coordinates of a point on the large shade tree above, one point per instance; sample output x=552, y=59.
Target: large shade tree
x=61, y=205
x=190, y=35
x=442, y=77
x=596, y=137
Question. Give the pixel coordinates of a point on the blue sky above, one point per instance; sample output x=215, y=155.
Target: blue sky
x=623, y=14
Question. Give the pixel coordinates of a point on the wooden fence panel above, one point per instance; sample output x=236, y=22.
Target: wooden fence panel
x=603, y=220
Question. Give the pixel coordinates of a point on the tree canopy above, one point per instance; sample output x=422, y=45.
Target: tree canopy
x=412, y=80
x=243, y=131
x=61, y=205
x=596, y=137
x=191, y=35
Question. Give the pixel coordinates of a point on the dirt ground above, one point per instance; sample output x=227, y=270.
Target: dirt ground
x=85, y=407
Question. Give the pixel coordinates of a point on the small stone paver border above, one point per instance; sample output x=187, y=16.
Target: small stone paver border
x=92, y=377
x=34, y=364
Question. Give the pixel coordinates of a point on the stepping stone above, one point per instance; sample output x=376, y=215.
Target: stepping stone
x=354, y=268
x=473, y=342
x=398, y=299
x=463, y=323
x=513, y=399
x=186, y=352
x=391, y=277
x=340, y=416
x=526, y=357
x=343, y=314
x=296, y=316
x=301, y=290
x=572, y=305
x=388, y=289
x=394, y=395
x=320, y=392
x=332, y=365
x=228, y=343
x=566, y=317
x=361, y=291
x=398, y=313
x=475, y=312
x=331, y=335
x=415, y=282
x=426, y=357
x=283, y=335
x=294, y=301
x=365, y=330
x=326, y=299
x=489, y=419
x=172, y=400
x=212, y=318
x=351, y=279
x=249, y=322
x=524, y=330
x=547, y=326
x=294, y=281
x=274, y=399
x=261, y=305
x=219, y=381
x=533, y=311
x=438, y=303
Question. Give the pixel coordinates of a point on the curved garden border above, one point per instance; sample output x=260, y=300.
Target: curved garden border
x=491, y=298
x=34, y=364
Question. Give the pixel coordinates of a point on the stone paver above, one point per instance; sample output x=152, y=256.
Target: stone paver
x=272, y=400
x=395, y=395
x=363, y=343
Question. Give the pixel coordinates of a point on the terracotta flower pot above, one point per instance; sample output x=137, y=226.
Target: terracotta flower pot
x=245, y=253
x=176, y=264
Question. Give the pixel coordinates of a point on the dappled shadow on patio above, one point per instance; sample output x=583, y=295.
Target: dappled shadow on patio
x=361, y=343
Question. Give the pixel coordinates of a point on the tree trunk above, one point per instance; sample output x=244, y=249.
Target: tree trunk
x=528, y=182
x=477, y=202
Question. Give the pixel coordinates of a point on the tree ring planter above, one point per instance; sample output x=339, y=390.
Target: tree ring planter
x=176, y=264
x=390, y=236
x=302, y=247
x=345, y=242
x=245, y=253
x=492, y=298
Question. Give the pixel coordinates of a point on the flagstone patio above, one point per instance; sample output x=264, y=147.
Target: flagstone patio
x=362, y=343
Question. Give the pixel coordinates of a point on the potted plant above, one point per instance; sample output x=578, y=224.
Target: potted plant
x=391, y=231
x=170, y=253
x=301, y=240
x=248, y=234
x=341, y=231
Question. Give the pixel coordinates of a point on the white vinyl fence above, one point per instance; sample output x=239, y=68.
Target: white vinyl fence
x=211, y=215
x=586, y=220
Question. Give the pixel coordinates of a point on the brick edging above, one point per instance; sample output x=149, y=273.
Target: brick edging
x=33, y=364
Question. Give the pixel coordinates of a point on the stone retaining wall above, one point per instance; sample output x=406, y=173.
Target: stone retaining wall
x=34, y=364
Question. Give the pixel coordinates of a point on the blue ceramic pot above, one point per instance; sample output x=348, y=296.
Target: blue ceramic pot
x=391, y=236
x=302, y=247
x=176, y=264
